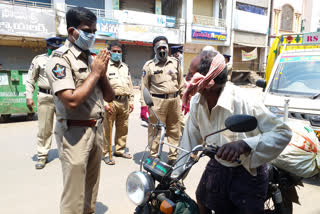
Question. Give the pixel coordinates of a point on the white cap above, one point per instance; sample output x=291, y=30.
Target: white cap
x=208, y=48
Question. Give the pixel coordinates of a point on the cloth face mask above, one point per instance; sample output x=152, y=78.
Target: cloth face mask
x=85, y=40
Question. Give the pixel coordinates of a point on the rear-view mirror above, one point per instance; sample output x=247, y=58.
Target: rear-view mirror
x=261, y=83
x=241, y=123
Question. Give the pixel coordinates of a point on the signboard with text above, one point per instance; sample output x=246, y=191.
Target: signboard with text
x=134, y=17
x=27, y=21
x=209, y=35
x=247, y=56
x=107, y=27
x=146, y=33
x=311, y=38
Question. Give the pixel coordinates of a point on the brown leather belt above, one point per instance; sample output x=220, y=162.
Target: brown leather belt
x=89, y=123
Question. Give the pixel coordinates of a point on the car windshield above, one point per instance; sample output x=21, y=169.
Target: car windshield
x=297, y=75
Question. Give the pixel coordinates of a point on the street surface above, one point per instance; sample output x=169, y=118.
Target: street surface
x=29, y=191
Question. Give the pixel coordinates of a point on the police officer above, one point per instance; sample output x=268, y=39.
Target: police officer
x=80, y=86
x=120, y=80
x=162, y=76
x=177, y=52
x=46, y=107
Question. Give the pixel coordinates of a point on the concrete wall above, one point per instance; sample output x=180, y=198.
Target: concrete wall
x=311, y=14
x=296, y=4
x=203, y=7
x=88, y=3
x=276, y=19
x=252, y=22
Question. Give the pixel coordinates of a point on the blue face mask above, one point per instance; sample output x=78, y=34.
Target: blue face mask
x=85, y=40
x=116, y=57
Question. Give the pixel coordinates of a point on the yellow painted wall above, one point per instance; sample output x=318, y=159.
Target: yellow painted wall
x=203, y=7
x=190, y=51
x=187, y=60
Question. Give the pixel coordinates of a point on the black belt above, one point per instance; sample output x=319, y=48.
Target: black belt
x=46, y=91
x=120, y=97
x=88, y=123
x=166, y=96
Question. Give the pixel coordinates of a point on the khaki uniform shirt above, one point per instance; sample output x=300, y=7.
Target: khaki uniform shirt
x=266, y=142
x=68, y=68
x=37, y=73
x=162, y=79
x=120, y=80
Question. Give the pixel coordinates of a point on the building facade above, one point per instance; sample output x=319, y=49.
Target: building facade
x=286, y=17
x=208, y=22
x=311, y=16
x=134, y=23
x=250, y=35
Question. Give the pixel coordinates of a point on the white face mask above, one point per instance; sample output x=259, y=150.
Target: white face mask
x=85, y=40
x=161, y=55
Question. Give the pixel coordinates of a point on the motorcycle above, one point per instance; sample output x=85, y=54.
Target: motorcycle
x=169, y=196
x=282, y=191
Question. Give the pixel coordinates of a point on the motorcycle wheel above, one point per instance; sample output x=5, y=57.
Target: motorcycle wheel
x=271, y=208
x=145, y=209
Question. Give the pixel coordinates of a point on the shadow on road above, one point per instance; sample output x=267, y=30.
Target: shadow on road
x=315, y=180
x=53, y=154
x=101, y=208
x=18, y=118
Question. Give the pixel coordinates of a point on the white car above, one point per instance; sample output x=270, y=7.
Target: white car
x=295, y=77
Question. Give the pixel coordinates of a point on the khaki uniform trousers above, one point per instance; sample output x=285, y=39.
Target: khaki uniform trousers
x=46, y=111
x=80, y=155
x=182, y=122
x=169, y=112
x=120, y=117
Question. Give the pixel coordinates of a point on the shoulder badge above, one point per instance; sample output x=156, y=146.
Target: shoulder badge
x=59, y=71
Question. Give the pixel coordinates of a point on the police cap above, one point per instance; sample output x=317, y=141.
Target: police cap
x=227, y=56
x=175, y=49
x=54, y=41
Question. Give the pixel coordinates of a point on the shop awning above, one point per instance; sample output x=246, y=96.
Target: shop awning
x=250, y=45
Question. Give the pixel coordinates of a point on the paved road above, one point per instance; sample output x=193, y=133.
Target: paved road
x=29, y=191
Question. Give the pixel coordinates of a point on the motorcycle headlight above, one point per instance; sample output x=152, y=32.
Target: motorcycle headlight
x=139, y=187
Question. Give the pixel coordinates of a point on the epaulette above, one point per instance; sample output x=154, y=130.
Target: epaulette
x=148, y=62
x=60, y=51
x=125, y=64
x=175, y=61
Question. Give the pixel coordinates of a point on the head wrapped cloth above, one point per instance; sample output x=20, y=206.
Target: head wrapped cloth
x=200, y=82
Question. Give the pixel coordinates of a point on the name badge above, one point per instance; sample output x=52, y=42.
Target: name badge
x=158, y=72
